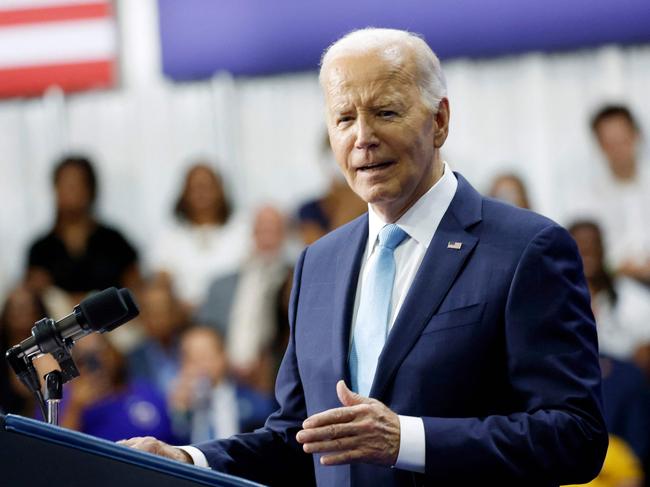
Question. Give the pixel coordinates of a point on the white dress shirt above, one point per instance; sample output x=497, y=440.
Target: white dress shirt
x=420, y=222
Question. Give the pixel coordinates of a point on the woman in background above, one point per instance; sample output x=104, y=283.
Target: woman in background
x=510, y=188
x=80, y=254
x=620, y=304
x=204, y=242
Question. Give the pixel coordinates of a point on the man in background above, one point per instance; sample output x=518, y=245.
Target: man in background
x=622, y=198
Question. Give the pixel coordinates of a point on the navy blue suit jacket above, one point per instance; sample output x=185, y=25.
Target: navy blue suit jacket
x=494, y=347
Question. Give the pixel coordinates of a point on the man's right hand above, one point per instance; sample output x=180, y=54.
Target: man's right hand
x=157, y=447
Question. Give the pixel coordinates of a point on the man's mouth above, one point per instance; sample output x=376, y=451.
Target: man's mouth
x=375, y=166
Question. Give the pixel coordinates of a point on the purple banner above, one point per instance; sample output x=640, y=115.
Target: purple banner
x=252, y=37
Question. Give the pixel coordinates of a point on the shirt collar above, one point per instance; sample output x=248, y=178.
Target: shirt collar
x=422, y=219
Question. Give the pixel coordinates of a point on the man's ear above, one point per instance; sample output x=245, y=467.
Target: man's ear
x=442, y=123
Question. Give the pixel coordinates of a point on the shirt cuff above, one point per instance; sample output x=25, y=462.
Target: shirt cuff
x=412, y=454
x=197, y=456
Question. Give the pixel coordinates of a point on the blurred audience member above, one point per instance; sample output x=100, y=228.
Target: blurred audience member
x=621, y=305
x=205, y=241
x=80, y=254
x=205, y=401
x=162, y=318
x=626, y=404
x=338, y=206
x=21, y=310
x=104, y=403
x=622, y=200
x=243, y=306
x=511, y=189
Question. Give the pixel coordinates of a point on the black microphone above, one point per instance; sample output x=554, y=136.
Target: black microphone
x=101, y=312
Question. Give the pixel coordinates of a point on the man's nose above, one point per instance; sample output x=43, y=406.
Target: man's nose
x=366, y=134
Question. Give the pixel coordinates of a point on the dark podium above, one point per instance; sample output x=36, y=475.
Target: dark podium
x=36, y=454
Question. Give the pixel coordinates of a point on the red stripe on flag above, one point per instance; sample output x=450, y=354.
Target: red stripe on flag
x=55, y=14
x=70, y=77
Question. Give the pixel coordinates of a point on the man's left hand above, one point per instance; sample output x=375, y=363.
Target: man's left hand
x=362, y=431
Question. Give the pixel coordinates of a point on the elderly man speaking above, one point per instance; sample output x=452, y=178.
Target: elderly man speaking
x=441, y=339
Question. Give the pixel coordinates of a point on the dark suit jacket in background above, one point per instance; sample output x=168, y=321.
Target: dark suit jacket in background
x=494, y=347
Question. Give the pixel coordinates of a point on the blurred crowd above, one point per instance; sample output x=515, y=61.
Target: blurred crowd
x=200, y=360
x=611, y=227
x=213, y=289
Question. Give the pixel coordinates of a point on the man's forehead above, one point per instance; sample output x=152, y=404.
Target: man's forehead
x=370, y=97
x=371, y=63
x=345, y=74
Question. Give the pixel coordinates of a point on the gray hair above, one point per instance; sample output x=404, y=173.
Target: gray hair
x=430, y=78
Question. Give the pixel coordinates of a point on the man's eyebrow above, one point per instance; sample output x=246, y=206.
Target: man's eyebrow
x=393, y=102
x=341, y=107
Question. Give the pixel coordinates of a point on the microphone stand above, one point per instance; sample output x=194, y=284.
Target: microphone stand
x=102, y=312
x=53, y=395
x=45, y=333
x=26, y=372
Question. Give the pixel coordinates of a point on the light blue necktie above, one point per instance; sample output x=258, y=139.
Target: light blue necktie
x=371, y=327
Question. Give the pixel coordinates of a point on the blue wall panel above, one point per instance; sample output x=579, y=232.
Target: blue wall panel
x=250, y=37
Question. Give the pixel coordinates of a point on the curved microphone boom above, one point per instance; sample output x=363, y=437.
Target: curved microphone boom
x=101, y=312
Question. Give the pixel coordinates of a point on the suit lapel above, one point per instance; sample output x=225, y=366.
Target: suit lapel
x=438, y=271
x=348, y=264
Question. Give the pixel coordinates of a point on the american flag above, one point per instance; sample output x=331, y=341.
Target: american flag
x=68, y=43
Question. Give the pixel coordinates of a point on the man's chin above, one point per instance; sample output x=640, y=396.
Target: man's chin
x=377, y=197
x=390, y=209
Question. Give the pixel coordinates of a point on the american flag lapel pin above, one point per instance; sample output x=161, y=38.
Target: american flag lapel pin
x=454, y=245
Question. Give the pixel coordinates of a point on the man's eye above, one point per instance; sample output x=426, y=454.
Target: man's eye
x=344, y=119
x=387, y=113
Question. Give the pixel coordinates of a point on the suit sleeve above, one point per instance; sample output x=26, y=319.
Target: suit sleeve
x=559, y=436
x=271, y=455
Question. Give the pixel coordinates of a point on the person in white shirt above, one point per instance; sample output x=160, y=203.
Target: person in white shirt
x=621, y=200
x=621, y=305
x=205, y=241
x=243, y=306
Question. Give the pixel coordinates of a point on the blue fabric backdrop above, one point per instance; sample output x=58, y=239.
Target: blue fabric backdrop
x=251, y=37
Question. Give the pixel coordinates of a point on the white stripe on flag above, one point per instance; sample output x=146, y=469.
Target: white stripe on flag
x=58, y=42
x=28, y=4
